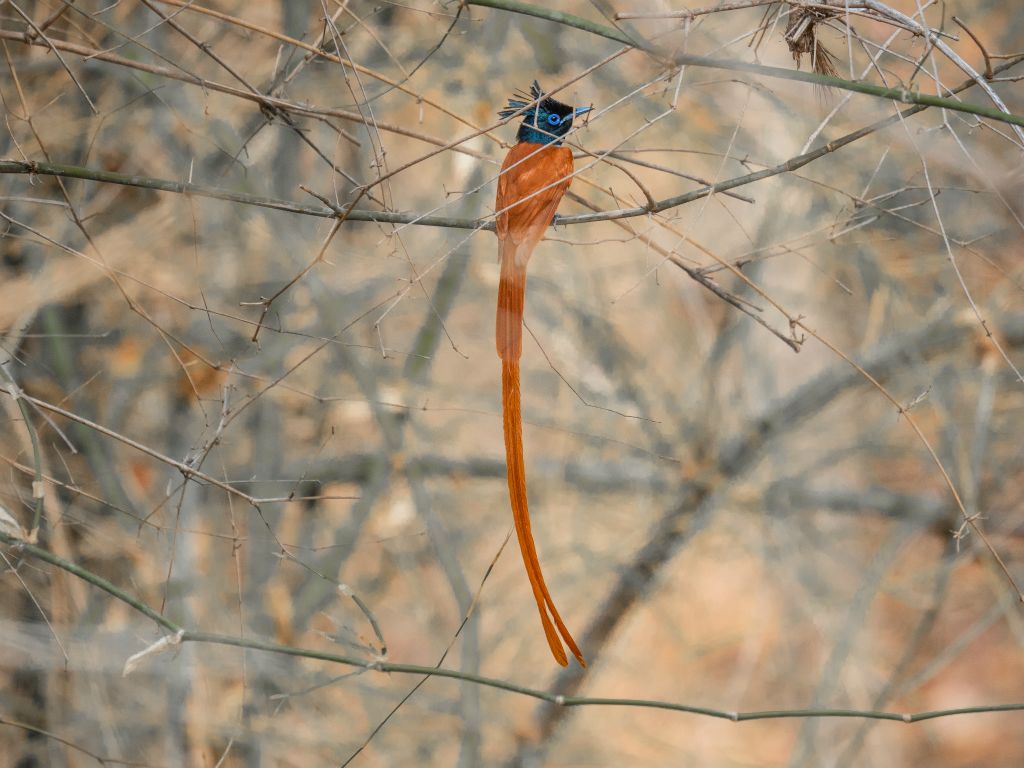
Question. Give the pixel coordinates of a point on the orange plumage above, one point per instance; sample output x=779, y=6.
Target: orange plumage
x=534, y=177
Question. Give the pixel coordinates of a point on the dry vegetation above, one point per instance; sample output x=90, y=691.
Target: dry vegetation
x=774, y=432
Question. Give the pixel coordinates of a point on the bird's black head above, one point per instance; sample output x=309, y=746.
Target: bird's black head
x=545, y=122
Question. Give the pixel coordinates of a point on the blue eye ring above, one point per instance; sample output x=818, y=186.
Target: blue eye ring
x=554, y=119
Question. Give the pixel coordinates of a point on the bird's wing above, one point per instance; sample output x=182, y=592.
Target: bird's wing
x=538, y=176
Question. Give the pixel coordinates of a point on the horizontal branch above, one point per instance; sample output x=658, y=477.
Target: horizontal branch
x=902, y=95
x=219, y=193
x=379, y=665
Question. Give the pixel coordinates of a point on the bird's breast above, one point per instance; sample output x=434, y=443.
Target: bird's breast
x=533, y=179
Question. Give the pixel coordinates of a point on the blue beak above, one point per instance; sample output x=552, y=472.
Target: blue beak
x=581, y=111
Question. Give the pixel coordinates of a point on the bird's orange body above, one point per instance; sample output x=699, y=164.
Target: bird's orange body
x=538, y=175
x=534, y=177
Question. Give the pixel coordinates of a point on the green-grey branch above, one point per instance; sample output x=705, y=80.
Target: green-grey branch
x=380, y=665
x=903, y=95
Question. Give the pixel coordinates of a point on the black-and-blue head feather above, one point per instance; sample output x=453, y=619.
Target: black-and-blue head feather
x=545, y=122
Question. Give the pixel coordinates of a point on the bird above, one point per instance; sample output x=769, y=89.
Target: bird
x=535, y=175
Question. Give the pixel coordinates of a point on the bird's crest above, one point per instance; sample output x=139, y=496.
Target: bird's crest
x=520, y=100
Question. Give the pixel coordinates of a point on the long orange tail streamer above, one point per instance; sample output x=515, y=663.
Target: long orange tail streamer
x=509, y=341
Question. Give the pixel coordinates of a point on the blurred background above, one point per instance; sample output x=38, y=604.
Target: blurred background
x=730, y=515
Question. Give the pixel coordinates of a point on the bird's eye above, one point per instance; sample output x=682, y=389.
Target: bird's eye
x=554, y=119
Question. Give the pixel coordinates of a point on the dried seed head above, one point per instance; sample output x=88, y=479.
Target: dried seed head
x=801, y=37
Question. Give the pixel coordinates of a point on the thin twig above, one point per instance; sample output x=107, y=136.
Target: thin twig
x=981, y=47
x=36, y=31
